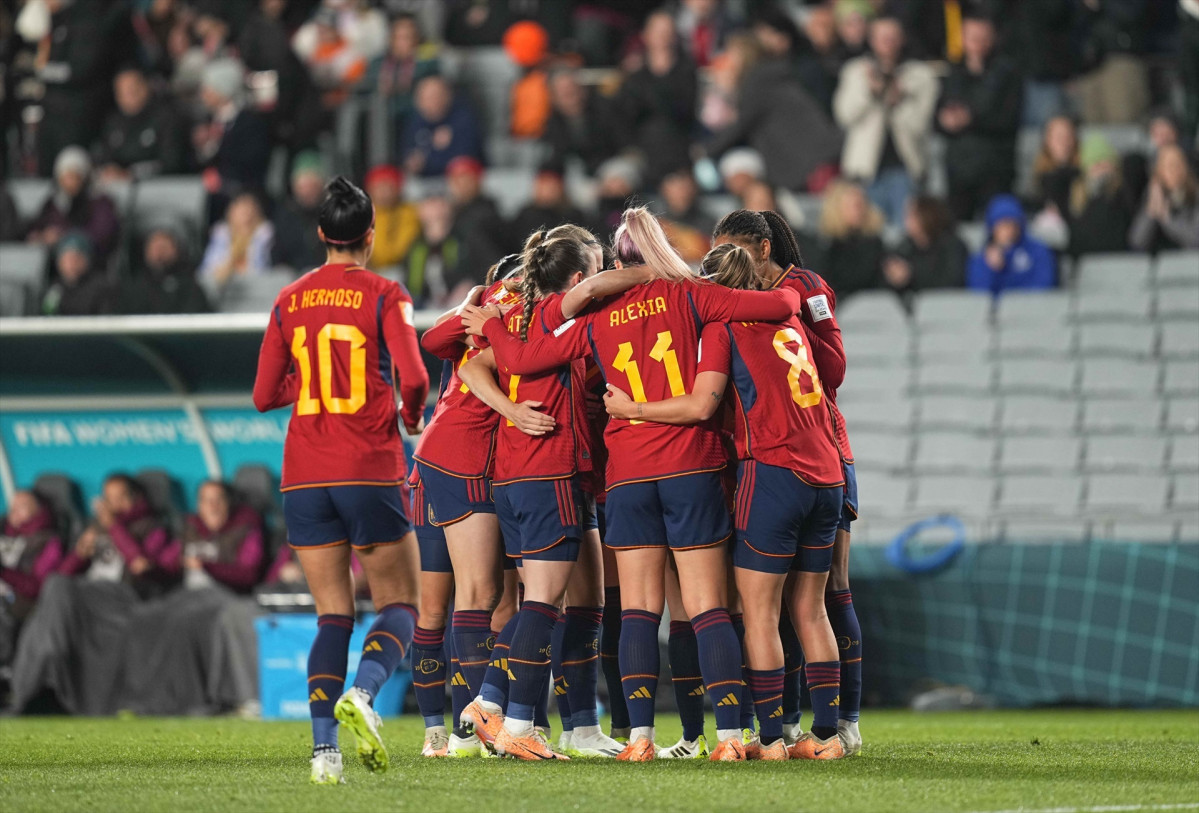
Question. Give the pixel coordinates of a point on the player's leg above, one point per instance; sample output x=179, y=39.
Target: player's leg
x=685, y=676
x=737, y=617
x=838, y=600
x=792, y=673
x=429, y=658
x=475, y=550
x=610, y=641
x=503, y=626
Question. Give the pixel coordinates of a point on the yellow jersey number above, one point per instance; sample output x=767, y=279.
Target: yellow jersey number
x=305, y=403
x=799, y=362
x=661, y=353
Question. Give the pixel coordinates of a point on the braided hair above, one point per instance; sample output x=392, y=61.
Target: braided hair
x=744, y=223
x=784, y=248
x=548, y=265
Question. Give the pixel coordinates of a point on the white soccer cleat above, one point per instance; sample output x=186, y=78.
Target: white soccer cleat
x=326, y=768
x=466, y=747
x=591, y=743
x=564, y=740
x=353, y=710
x=791, y=733
x=847, y=730
x=437, y=742
x=686, y=749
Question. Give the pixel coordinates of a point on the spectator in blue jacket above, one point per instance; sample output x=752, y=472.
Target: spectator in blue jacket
x=1010, y=259
x=440, y=129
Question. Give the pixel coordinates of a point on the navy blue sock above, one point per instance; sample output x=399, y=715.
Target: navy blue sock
x=557, y=647
x=824, y=687
x=610, y=657
x=640, y=664
x=844, y=621
x=495, y=679
x=720, y=663
x=327, y=674
x=472, y=645
x=428, y=679
x=686, y=678
x=529, y=660
x=541, y=712
x=792, y=671
x=580, y=663
x=747, y=708
x=386, y=642
x=766, y=688
x=460, y=695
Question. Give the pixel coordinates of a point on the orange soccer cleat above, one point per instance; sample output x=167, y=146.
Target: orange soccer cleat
x=487, y=724
x=532, y=746
x=809, y=746
x=641, y=750
x=730, y=750
x=774, y=752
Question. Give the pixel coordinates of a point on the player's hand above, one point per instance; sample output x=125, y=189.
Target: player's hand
x=619, y=404
x=139, y=565
x=417, y=428
x=994, y=257
x=85, y=546
x=473, y=318
x=528, y=420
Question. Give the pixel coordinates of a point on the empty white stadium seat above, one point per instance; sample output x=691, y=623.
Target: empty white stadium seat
x=1125, y=453
x=1184, y=454
x=892, y=381
x=1033, y=307
x=1180, y=378
x=1178, y=268
x=886, y=494
x=972, y=377
x=1182, y=414
x=873, y=349
x=891, y=414
x=1121, y=415
x=1141, y=493
x=1180, y=340
x=949, y=310
x=953, y=451
x=876, y=311
x=509, y=188
x=1138, y=530
x=878, y=450
x=1178, y=303
x=974, y=235
x=1185, y=492
x=1114, y=273
x=1020, y=455
x=1104, y=377
x=1188, y=530
x=1131, y=306
x=957, y=412
x=1037, y=376
x=1117, y=340
x=29, y=195
x=1034, y=341
x=970, y=495
x=254, y=294
x=1038, y=414
x=1042, y=494
x=173, y=198
x=22, y=275
x=957, y=346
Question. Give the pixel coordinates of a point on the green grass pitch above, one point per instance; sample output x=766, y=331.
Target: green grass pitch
x=1066, y=761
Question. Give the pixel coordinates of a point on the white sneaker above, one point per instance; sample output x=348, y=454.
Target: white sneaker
x=791, y=733
x=436, y=742
x=591, y=743
x=326, y=769
x=353, y=710
x=686, y=749
x=564, y=740
x=848, y=731
x=466, y=747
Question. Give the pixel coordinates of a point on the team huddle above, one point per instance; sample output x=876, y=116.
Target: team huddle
x=607, y=443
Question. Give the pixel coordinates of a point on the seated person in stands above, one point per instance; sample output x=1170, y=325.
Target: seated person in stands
x=1163, y=130
x=851, y=239
x=142, y=136
x=240, y=246
x=436, y=274
x=220, y=544
x=67, y=648
x=30, y=550
x=297, y=244
x=393, y=76
x=931, y=254
x=578, y=123
x=163, y=279
x=687, y=226
x=1169, y=217
x=78, y=287
x=234, y=144
x=72, y=206
x=477, y=222
x=1100, y=210
x=549, y=207
x=397, y=225
x=1056, y=166
x=441, y=128
x=1011, y=259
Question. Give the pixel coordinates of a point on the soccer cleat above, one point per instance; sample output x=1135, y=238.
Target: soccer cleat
x=326, y=768
x=791, y=733
x=847, y=730
x=752, y=743
x=730, y=750
x=621, y=735
x=564, y=743
x=353, y=710
x=487, y=724
x=775, y=752
x=641, y=750
x=437, y=743
x=532, y=747
x=810, y=746
x=591, y=744
x=466, y=747
x=686, y=749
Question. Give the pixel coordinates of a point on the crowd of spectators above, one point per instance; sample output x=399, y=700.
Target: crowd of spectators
x=767, y=101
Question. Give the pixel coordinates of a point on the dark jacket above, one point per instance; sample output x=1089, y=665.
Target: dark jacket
x=533, y=217
x=941, y=265
x=987, y=146
x=245, y=150
x=1028, y=264
x=151, y=142
x=28, y=554
x=1102, y=224
x=778, y=118
x=659, y=113
x=171, y=290
x=94, y=215
x=852, y=263
x=265, y=45
x=417, y=136
x=1041, y=38
x=296, y=242
x=482, y=236
x=590, y=137
x=90, y=296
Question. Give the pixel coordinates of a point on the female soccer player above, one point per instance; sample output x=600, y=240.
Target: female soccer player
x=329, y=350
x=770, y=241
x=788, y=502
x=664, y=487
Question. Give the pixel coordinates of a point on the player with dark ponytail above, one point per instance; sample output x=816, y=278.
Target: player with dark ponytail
x=334, y=338
x=776, y=253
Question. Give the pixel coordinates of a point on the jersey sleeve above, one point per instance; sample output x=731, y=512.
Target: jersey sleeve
x=445, y=340
x=514, y=357
x=818, y=315
x=400, y=335
x=273, y=387
x=714, y=351
x=717, y=304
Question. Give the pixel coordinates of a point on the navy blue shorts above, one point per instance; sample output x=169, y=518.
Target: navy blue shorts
x=683, y=513
x=544, y=519
x=849, y=510
x=782, y=522
x=434, y=555
x=363, y=516
x=452, y=499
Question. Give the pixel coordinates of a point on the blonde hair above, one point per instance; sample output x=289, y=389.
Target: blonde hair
x=640, y=239
x=731, y=266
x=1044, y=162
x=832, y=221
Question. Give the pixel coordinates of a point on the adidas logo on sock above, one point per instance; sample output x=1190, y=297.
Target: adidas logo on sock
x=373, y=646
x=776, y=713
x=457, y=680
x=319, y=694
x=697, y=692
x=836, y=701
x=642, y=693
x=729, y=699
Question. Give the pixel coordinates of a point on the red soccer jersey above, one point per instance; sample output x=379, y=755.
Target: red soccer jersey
x=342, y=331
x=567, y=449
x=824, y=334
x=646, y=341
x=781, y=418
